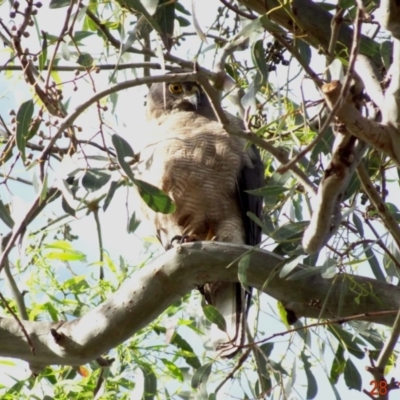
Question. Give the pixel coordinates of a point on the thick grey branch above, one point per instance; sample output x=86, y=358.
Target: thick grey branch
x=390, y=16
x=384, y=137
x=346, y=155
x=313, y=24
x=152, y=289
x=371, y=78
x=391, y=109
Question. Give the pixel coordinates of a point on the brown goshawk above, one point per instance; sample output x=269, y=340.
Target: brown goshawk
x=206, y=172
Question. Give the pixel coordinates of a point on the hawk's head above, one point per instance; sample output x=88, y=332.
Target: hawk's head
x=164, y=98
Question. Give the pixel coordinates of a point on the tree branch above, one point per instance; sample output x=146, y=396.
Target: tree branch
x=172, y=275
x=380, y=136
x=308, y=20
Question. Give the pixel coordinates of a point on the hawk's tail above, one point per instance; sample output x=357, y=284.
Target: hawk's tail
x=230, y=300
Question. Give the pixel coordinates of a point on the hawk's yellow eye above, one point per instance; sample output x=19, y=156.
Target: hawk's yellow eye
x=175, y=88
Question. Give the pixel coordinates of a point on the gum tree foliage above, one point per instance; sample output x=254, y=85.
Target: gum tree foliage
x=317, y=84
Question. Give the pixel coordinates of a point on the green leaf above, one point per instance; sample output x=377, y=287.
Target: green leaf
x=133, y=223
x=66, y=207
x=338, y=365
x=393, y=210
x=123, y=150
x=288, y=236
x=173, y=369
x=59, y=3
x=243, y=266
x=65, y=53
x=271, y=194
x=155, y=198
x=283, y=314
x=85, y=59
x=183, y=22
x=388, y=263
x=94, y=179
x=305, y=51
x=386, y=53
x=136, y=5
x=261, y=356
x=290, y=231
x=179, y=7
x=24, y=118
x=67, y=253
x=373, y=262
x=80, y=35
x=347, y=340
x=44, y=188
x=150, y=382
x=346, y=4
x=358, y=224
x=75, y=284
x=201, y=375
x=312, y=386
x=290, y=265
x=68, y=196
x=259, y=60
x=66, y=256
x=5, y=215
x=113, y=187
x=43, y=53
x=165, y=16
x=187, y=351
x=214, y=316
x=351, y=376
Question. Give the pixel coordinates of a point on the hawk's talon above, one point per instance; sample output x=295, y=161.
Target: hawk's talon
x=184, y=239
x=177, y=238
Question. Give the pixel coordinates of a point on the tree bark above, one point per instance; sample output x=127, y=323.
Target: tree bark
x=313, y=24
x=169, y=277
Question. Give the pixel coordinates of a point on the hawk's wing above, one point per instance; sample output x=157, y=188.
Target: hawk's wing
x=250, y=179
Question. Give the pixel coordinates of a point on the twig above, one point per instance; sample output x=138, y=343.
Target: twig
x=60, y=38
x=342, y=320
x=28, y=338
x=99, y=237
x=375, y=198
x=336, y=22
x=99, y=67
x=238, y=365
x=237, y=10
x=343, y=94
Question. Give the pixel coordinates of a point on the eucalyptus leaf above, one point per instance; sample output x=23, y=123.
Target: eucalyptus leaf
x=312, y=386
x=201, y=375
x=243, y=266
x=214, y=316
x=85, y=59
x=59, y=3
x=24, y=118
x=94, y=179
x=113, y=187
x=155, y=198
x=351, y=376
x=150, y=382
x=5, y=215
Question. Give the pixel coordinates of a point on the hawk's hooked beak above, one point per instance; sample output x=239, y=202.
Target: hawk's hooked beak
x=192, y=96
